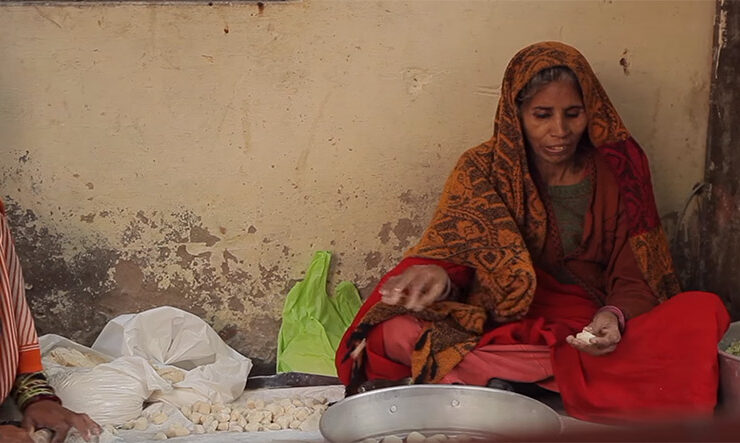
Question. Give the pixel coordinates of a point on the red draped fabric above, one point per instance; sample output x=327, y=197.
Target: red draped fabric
x=665, y=366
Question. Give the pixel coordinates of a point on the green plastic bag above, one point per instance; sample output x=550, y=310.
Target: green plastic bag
x=313, y=323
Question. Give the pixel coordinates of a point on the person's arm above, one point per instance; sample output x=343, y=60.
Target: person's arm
x=626, y=287
x=34, y=396
x=627, y=296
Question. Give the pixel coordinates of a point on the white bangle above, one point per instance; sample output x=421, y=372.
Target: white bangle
x=446, y=292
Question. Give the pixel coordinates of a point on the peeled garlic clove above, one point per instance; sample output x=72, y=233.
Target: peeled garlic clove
x=235, y=428
x=141, y=423
x=160, y=436
x=585, y=336
x=415, y=437
x=253, y=427
x=159, y=418
x=211, y=426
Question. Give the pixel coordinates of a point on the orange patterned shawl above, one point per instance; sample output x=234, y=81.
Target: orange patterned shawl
x=491, y=217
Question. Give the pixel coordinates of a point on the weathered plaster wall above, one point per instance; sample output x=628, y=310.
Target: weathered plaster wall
x=197, y=155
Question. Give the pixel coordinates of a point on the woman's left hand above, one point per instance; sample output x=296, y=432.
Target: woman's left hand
x=605, y=327
x=51, y=415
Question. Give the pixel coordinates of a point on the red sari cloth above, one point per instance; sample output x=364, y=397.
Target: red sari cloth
x=665, y=367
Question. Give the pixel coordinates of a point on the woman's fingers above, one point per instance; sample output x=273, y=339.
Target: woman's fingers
x=416, y=288
x=392, y=291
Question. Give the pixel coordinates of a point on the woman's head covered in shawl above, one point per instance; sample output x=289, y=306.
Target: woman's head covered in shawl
x=491, y=216
x=605, y=126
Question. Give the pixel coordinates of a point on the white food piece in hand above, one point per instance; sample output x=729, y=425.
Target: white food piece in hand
x=141, y=423
x=160, y=436
x=585, y=336
x=159, y=418
x=415, y=437
x=392, y=439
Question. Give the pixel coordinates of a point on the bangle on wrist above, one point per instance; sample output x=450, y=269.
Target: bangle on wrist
x=447, y=290
x=617, y=312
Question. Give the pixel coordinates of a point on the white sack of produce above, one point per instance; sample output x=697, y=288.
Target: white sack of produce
x=109, y=392
x=184, y=349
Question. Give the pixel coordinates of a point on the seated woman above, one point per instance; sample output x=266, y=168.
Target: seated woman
x=548, y=228
x=20, y=359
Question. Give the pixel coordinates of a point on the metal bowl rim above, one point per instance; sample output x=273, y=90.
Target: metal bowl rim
x=346, y=402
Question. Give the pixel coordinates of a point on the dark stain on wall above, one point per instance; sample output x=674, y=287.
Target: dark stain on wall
x=63, y=295
x=719, y=260
x=76, y=293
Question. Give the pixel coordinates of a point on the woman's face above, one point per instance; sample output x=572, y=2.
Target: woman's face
x=554, y=120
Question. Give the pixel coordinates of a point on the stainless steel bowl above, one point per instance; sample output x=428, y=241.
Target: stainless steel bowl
x=431, y=409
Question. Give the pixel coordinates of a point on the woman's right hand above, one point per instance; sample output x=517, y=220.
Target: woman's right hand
x=14, y=434
x=417, y=287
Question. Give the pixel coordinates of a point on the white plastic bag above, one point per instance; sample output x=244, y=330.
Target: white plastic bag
x=170, y=336
x=110, y=393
